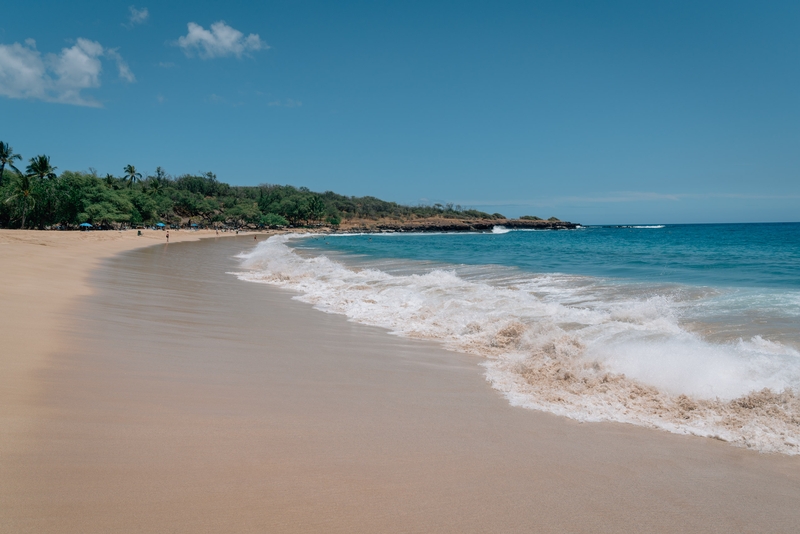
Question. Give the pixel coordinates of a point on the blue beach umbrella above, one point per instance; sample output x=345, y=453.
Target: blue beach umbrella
x=160, y=225
x=86, y=225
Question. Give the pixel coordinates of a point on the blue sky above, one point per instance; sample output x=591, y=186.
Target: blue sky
x=596, y=112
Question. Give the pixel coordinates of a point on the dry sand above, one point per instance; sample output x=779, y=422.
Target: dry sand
x=176, y=398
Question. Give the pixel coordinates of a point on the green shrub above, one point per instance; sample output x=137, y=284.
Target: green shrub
x=273, y=220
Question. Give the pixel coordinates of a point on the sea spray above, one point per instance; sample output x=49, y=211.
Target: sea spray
x=569, y=345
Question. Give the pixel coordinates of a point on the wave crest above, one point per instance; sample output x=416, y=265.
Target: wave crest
x=548, y=346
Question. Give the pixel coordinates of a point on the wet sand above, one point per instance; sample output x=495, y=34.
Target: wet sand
x=42, y=273
x=176, y=398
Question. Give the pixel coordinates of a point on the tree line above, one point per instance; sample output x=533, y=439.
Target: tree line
x=38, y=197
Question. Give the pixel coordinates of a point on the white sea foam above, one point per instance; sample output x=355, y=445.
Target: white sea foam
x=568, y=345
x=499, y=229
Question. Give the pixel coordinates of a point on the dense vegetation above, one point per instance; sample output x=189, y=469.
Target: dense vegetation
x=37, y=197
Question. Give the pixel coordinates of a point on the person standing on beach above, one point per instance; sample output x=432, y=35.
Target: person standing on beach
x=167, y=236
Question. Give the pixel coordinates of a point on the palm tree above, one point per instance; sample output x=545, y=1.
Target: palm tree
x=7, y=157
x=22, y=190
x=109, y=180
x=155, y=187
x=40, y=167
x=160, y=174
x=132, y=175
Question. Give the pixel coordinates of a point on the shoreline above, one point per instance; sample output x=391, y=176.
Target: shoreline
x=529, y=355
x=185, y=399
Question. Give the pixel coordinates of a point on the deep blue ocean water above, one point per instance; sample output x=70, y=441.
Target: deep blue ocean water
x=734, y=255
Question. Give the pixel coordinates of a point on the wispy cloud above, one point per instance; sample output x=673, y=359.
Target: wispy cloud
x=286, y=103
x=221, y=41
x=745, y=196
x=639, y=196
x=25, y=73
x=222, y=100
x=612, y=197
x=124, y=71
x=137, y=16
x=619, y=197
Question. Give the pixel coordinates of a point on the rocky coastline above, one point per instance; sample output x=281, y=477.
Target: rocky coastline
x=437, y=224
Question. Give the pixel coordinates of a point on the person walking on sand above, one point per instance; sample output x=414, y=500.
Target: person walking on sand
x=167, y=236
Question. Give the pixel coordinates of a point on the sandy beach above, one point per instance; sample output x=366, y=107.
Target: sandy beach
x=144, y=388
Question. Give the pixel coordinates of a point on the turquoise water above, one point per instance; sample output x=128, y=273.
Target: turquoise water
x=688, y=328
x=731, y=255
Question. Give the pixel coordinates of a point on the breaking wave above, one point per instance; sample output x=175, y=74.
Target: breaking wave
x=569, y=345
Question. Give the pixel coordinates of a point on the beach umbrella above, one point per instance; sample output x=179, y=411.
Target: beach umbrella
x=160, y=225
x=86, y=225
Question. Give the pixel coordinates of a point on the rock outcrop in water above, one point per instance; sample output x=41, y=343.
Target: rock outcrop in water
x=440, y=224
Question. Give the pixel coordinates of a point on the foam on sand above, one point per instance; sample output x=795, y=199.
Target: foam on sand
x=568, y=345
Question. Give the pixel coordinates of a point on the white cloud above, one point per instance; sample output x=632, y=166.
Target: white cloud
x=221, y=41
x=77, y=68
x=25, y=73
x=22, y=71
x=137, y=16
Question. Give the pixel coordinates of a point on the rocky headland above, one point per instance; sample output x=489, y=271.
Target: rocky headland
x=441, y=224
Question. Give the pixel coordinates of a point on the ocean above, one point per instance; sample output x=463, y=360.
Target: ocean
x=692, y=329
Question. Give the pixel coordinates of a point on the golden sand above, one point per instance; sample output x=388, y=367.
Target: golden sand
x=43, y=273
